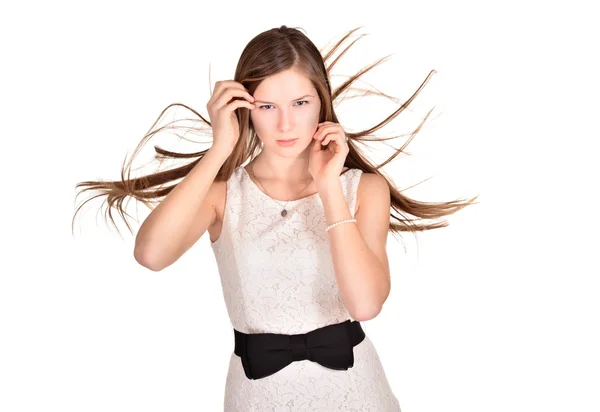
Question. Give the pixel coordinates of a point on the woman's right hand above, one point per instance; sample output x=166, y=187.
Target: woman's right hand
x=227, y=96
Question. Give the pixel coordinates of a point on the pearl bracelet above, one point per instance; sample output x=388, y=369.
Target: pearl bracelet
x=339, y=223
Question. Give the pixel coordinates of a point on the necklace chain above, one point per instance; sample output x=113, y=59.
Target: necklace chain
x=283, y=212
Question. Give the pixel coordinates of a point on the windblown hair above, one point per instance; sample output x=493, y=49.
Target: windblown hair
x=268, y=53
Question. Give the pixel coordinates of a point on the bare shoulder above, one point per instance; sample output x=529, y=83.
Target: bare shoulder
x=372, y=186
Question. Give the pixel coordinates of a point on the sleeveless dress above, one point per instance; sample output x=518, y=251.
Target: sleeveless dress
x=277, y=276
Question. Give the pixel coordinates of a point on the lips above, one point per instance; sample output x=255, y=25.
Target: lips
x=288, y=140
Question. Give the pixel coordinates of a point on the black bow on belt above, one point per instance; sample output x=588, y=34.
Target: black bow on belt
x=331, y=346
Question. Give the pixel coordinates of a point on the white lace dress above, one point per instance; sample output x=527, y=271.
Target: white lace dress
x=277, y=276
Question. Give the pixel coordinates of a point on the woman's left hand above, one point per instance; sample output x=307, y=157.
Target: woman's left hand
x=328, y=163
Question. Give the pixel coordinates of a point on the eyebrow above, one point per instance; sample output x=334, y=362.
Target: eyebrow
x=306, y=95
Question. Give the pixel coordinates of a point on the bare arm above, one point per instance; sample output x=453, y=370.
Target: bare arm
x=358, y=251
x=181, y=218
x=189, y=209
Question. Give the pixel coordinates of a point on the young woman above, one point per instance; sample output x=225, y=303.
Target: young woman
x=299, y=233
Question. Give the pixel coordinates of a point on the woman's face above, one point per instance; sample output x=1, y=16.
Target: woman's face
x=287, y=107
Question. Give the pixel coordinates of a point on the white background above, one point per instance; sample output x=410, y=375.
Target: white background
x=497, y=312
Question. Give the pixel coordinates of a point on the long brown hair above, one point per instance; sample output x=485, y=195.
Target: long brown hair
x=268, y=53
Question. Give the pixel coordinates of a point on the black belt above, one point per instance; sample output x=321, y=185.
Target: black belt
x=331, y=346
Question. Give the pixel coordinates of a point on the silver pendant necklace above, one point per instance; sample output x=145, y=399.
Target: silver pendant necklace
x=284, y=211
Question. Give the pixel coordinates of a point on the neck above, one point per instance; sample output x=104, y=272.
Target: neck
x=287, y=171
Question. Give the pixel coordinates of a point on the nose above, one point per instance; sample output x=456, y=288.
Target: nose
x=285, y=121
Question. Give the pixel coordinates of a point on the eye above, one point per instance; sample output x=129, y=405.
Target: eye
x=263, y=107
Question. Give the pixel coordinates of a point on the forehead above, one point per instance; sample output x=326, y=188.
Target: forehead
x=284, y=86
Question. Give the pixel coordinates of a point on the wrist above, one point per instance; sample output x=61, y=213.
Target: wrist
x=326, y=183
x=219, y=152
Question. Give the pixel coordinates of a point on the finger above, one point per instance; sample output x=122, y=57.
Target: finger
x=323, y=124
x=339, y=136
x=236, y=104
x=228, y=88
x=322, y=134
x=332, y=137
x=231, y=94
x=223, y=85
x=316, y=147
